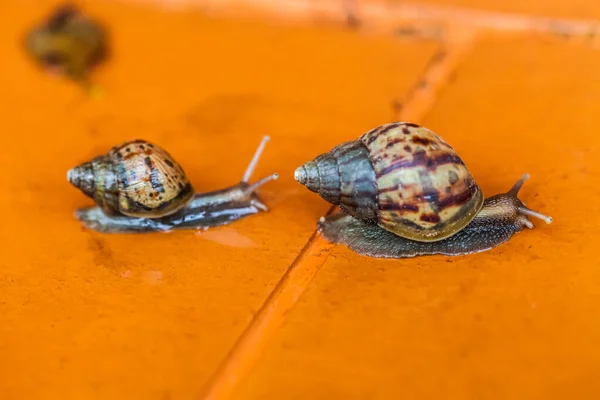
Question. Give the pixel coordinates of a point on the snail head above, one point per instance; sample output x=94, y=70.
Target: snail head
x=512, y=208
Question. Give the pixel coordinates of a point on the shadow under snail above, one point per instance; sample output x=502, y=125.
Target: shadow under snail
x=139, y=187
x=405, y=193
x=68, y=43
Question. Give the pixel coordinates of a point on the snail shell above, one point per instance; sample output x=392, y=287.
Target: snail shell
x=136, y=179
x=400, y=176
x=68, y=42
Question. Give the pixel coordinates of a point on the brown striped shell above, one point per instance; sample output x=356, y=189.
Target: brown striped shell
x=137, y=179
x=400, y=176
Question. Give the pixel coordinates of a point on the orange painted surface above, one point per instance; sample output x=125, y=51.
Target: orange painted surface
x=263, y=308
x=86, y=315
x=518, y=322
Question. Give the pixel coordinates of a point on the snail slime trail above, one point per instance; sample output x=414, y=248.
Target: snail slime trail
x=139, y=187
x=405, y=192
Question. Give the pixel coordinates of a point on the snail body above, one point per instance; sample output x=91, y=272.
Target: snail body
x=139, y=187
x=68, y=43
x=406, y=192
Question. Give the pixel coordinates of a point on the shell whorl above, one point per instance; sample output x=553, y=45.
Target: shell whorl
x=425, y=191
x=136, y=179
x=97, y=180
x=410, y=180
x=344, y=177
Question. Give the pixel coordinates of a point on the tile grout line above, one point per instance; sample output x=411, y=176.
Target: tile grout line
x=438, y=74
x=245, y=353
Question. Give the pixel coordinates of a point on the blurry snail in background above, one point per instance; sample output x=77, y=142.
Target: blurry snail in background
x=405, y=193
x=68, y=43
x=139, y=187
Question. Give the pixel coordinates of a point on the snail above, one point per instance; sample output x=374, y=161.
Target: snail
x=68, y=43
x=139, y=187
x=405, y=192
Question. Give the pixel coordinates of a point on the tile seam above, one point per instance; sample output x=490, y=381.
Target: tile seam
x=250, y=345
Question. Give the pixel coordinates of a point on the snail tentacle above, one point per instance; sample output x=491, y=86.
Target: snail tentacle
x=523, y=209
x=252, y=188
x=254, y=162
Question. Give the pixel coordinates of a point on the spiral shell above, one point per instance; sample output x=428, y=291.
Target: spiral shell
x=68, y=42
x=400, y=176
x=137, y=179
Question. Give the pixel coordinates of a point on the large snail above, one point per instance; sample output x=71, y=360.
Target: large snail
x=139, y=187
x=406, y=193
x=68, y=43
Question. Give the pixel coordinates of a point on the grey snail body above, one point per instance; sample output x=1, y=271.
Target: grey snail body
x=405, y=192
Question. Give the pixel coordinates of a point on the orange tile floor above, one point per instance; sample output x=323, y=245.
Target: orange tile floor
x=262, y=308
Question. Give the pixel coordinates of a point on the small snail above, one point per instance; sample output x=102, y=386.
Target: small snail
x=139, y=187
x=407, y=193
x=68, y=43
